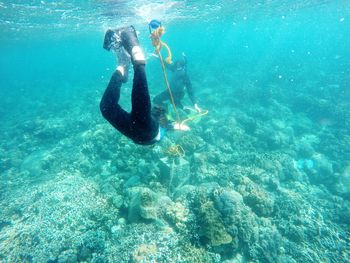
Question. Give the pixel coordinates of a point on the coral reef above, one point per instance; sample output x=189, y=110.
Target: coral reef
x=263, y=177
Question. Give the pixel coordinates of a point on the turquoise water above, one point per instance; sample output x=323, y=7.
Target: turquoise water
x=265, y=175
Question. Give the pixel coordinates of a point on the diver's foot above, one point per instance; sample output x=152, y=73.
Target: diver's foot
x=131, y=44
x=125, y=37
x=112, y=40
x=123, y=63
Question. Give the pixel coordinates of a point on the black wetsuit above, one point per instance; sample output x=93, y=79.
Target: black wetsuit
x=178, y=83
x=139, y=125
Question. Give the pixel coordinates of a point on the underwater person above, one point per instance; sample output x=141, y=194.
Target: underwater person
x=140, y=125
x=179, y=83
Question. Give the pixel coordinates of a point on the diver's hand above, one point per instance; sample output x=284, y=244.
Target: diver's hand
x=181, y=127
x=199, y=110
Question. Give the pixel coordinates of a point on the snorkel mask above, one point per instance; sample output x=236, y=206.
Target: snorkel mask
x=180, y=65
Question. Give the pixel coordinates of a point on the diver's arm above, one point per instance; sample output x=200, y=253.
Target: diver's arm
x=189, y=89
x=191, y=94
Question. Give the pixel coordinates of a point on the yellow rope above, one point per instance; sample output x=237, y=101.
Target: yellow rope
x=158, y=44
x=169, y=57
x=195, y=116
x=168, y=87
x=176, y=151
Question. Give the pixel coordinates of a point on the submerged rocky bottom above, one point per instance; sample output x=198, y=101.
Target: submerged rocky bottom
x=261, y=179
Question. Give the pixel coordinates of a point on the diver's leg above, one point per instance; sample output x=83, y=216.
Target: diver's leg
x=111, y=110
x=141, y=102
x=144, y=126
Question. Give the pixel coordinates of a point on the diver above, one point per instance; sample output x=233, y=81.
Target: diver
x=140, y=125
x=179, y=82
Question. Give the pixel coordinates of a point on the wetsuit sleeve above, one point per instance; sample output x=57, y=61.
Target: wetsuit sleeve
x=189, y=88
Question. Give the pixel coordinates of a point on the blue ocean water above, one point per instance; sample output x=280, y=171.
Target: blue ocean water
x=263, y=177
